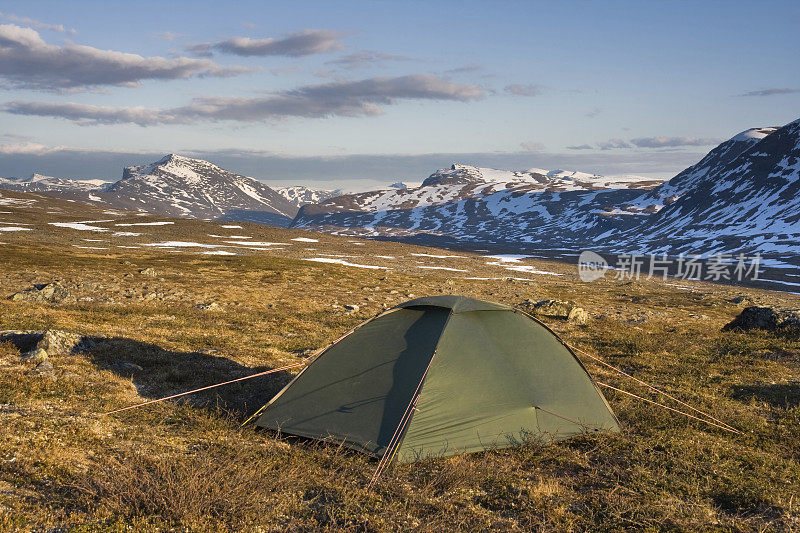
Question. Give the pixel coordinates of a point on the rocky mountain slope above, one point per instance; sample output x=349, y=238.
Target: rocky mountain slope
x=40, y=183
x=174, y=186
x=465, y=203
x=180, y=186
x=301, y=195
x=742, y=197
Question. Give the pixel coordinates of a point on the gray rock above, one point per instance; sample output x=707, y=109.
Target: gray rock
x=42, y=293
x=37, y=355
x=126, y=367
x=351, y=307
x=44, y=369
x=741, y=300
x=564, y=309
x=764, y=318
x=57, y=342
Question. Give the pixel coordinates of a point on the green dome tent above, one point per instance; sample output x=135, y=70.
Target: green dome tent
x=439, y=376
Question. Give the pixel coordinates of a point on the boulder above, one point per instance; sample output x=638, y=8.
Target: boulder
x=148, y=272
x=57, y=342
x=211, y=306
x=564, y=309
x=52, y=342
x=764, y=318
x=43, y=293
x=352, y=308
x=44, y=369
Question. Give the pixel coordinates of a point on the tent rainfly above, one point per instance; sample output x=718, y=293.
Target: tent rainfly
x=439, y=376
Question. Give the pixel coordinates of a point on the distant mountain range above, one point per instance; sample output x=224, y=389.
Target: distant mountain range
x=301, y=195
x=743, y=196
x=482, y=205
x=176, y=186
x=39, y=183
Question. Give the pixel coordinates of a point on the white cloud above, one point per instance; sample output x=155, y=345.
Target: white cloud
x=524, y=90
x=771, y=92
x=37, y=24
x=28, y=148
x=306, y=42
x=352, y=99
x=671, y=142
x=27, y=61
x=612, y=144
x=365, y=58
x=532, y=146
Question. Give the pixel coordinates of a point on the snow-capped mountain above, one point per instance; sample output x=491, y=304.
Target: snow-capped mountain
x=173, y=186
x=714, y=162
x=301, y=195
x=40, y=183
x=484, y=205
x=744, y=196
x=180, y=186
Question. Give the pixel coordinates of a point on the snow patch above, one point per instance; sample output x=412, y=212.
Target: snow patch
x=342, y=262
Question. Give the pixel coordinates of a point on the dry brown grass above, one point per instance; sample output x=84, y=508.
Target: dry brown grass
x=189, y=466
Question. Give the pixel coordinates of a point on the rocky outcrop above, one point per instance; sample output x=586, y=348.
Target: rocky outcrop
x=564, y=309
x=43, y=293
x=764, y=318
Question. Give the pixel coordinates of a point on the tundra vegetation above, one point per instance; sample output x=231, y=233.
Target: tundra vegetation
x=156, y=320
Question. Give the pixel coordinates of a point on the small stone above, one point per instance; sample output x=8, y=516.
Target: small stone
x=148, y=272
x=37, y=355
x=126, y=366
x=351, y=308
x=210, y=306
x=44, y=369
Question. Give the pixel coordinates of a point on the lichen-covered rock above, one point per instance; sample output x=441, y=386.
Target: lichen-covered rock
x=210, y=306
x=44, y=369
x=764, y=318
x=43, y=293
x=37, y=355
x=565, y=309
x=57, y=342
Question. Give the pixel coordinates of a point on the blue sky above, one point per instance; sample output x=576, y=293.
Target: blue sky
x=368, y=92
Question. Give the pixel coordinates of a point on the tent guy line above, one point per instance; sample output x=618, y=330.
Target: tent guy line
x=274, y=370
x=655, y=389
x=665, y=406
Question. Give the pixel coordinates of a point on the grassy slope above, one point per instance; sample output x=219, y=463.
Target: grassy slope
x=192, y=466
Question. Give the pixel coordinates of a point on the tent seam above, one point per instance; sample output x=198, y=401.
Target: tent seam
x=402, y=437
